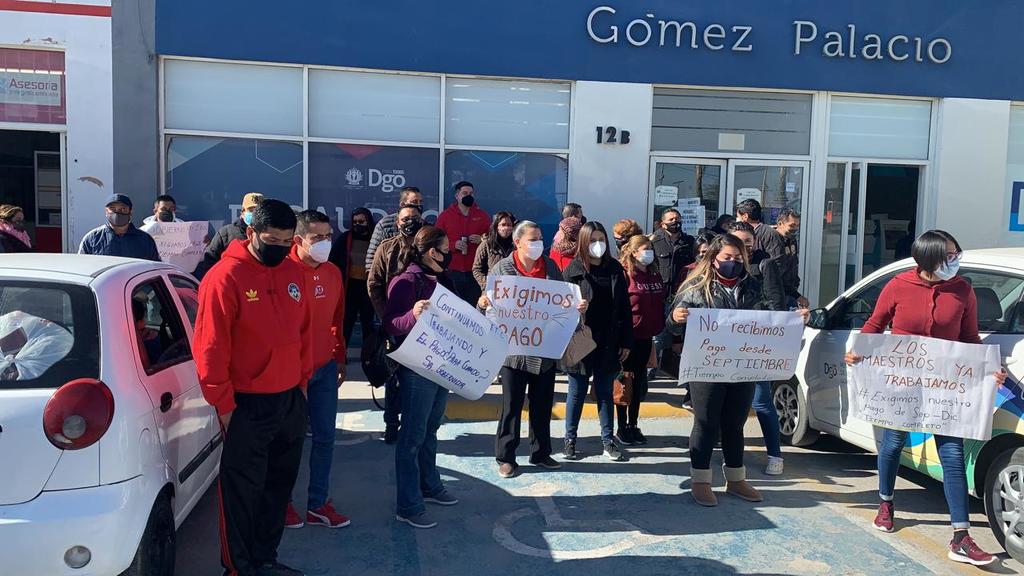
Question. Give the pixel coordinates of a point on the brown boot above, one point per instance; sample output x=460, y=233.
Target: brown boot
x=737, y=485
x=700, y=488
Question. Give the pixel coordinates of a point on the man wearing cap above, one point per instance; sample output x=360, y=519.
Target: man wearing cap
x=119, y=237
x=229, y=233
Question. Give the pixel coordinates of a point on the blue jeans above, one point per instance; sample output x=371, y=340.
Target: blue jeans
x=767, y=417
x=416, y=474
x=954, y=476
x=322, y=397
x=578, y=385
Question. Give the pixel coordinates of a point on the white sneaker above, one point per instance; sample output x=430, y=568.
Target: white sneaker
x=774, y=467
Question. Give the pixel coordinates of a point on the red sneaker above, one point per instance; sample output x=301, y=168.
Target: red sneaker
x=886, y=515
x=292, y=518
x=327, y=516
x=967, y=551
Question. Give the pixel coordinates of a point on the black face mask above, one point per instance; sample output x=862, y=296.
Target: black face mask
x=165, y=216
x=410, y=228
x=674, y=227
x=468, y=201
x=271, y=254
x=619, y=243
x=730, y=269
x=446, y=260
x=360, y=230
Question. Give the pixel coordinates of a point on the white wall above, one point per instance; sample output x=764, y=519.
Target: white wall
x=971, y=197
x=87, y=60
x=610, y=180
x=1014, y=173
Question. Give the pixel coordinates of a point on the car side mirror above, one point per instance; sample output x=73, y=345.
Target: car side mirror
x=818, y=319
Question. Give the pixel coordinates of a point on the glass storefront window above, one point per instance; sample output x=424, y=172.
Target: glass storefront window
x=677, y=182
x=221, y=97
x=209, y=176
x=32, y=86
x=368, y=106
x=343, y=177
x=507, y=113
x=533, y=186
x=879, y=128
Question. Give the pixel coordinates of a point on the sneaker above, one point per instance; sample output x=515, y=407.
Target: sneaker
x=625, y=436
x=612, y=452
x=569, y=452
x=327, y=516
x=276, y=569
x=420, y=520
x=652, y=373
x=292, y=518
x=885, y=517
x=391, y=434
x=967, y=551
x=547, y=463
x=507, y=470
x=444, y=499
x=638, y=436
x=774, y=467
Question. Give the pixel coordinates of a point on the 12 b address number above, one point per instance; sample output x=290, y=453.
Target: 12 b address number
x=612, y=135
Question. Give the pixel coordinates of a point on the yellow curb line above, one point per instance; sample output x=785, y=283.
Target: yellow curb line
x=484, y=411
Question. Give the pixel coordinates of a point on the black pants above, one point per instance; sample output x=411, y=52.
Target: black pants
x=636, y=363
x=392, y=402
x=258, y=466
x=466, y=286
x=719, y=409
x=357, y=304
x=514, y=385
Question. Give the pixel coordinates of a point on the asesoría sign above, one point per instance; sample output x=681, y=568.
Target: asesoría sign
x=39, y=89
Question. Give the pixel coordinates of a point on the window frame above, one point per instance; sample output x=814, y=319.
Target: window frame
x=167, y=302
x=184, y=308
x=837, y=312
x=1014, y=322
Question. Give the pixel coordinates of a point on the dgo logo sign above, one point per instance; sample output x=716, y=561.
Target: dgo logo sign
x=386, y=180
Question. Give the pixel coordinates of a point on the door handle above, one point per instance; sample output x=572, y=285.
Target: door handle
x=165, y=401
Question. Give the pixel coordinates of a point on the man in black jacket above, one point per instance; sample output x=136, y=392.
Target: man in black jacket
x=673, y=248
x=765, y=237
x=788, y=227
x=229, y=233
x=761, y=266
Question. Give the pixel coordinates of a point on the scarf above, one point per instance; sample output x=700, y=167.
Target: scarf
x=8, y=228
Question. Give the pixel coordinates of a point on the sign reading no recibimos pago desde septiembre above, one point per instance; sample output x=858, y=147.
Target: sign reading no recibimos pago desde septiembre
x=923, y=384
x=453, y=345
x=740, y=345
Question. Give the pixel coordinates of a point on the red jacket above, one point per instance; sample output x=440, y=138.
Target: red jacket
x=456, y=226
x=559, y=259
x=253, y=329
x=647, y=294
x=945, y=310
x=327, y=297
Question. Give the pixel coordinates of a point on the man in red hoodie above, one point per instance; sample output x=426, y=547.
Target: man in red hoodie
x=465, y=224
x=254, y=351
x=326, y=290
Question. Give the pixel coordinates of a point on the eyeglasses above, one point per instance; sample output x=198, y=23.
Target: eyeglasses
x=953, y=256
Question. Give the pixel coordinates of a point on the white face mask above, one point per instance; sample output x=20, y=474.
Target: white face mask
x=320, y=251
x=534, y=249
x=597, y=249
x=948, y=270
x=645, y=257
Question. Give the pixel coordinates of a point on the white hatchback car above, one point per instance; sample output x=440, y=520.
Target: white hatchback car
x=105, y=436
x=816, y=398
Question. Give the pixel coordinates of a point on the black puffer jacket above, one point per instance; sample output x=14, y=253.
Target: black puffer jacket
x=769, y=274
x=612, y=329
x=747, y=295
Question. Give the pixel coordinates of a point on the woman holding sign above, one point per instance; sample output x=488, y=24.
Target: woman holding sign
x=930, y=300
x=603, y=284
x=720, y=280
x=423, y=264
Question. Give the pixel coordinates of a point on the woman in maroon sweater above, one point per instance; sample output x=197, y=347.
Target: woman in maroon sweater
x=647, y=292
x=930, y=300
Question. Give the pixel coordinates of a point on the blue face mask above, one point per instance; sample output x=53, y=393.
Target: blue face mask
x=948, y=270
x=247, y=218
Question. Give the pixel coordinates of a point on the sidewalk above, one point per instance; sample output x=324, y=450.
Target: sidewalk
x=664, y=399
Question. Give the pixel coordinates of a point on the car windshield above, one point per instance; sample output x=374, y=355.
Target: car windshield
x=48, y=334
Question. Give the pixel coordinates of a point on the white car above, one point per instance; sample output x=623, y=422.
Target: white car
x=815, y=400
x=106, y=440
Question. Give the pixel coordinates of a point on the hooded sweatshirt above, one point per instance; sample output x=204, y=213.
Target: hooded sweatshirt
x=945, y=310
x=253, y=329
x=327, y=298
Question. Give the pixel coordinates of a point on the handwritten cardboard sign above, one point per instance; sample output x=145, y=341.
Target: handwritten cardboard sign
x=740, y=345
x=453, y=345
x=538, y=316
x=923, y=384
x=180, y=243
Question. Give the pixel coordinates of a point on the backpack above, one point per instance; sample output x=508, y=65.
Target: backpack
x=377, y=366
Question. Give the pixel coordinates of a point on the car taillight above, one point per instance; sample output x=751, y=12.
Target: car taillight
x=78, y=414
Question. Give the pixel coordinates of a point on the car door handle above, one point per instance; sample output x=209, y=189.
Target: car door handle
x=165, y=401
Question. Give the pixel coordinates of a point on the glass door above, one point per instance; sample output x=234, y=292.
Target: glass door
x=695, y=187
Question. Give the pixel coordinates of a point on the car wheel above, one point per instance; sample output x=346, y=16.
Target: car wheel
x=155, y=555
x=1004, y=500
x=791, y=407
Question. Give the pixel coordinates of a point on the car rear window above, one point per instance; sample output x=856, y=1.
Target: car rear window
x=49, y=334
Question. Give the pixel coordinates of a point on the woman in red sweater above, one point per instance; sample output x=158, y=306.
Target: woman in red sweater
x=647, y=292
x=930, y=300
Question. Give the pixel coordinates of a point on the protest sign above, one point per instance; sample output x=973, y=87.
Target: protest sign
x=180, y=243
x=923, y=384
x=453, y=345
x=538, y=316
x=692, y=219
x=740, y=345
